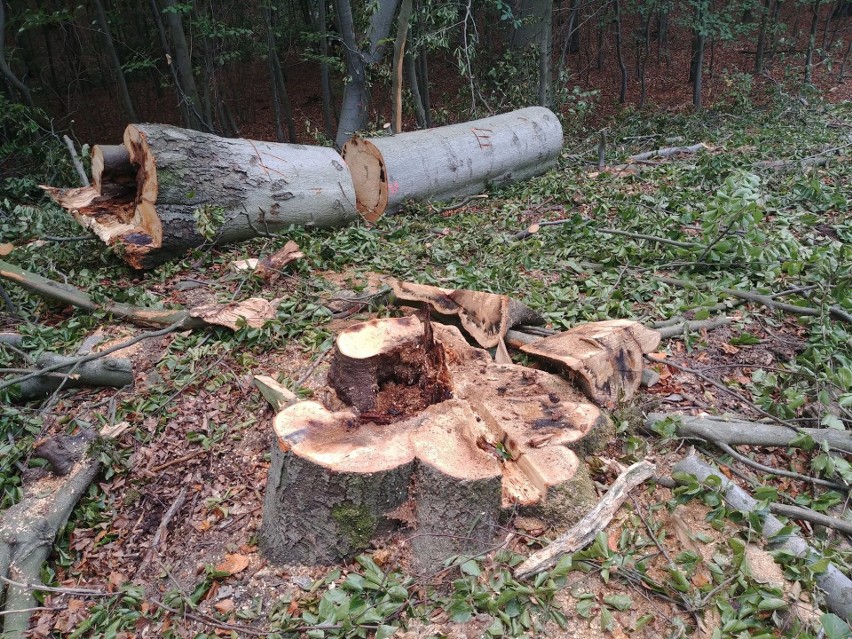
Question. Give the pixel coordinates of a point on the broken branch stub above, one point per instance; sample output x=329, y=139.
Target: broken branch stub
x=190, y=188
x=429, y=431
x=451, y=161
x=604, y=358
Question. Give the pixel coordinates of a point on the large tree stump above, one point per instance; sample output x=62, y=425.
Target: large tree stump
x=451, y=161
x=174, y=189
x=426, y=431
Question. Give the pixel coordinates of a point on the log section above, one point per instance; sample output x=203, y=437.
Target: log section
x=451, y=161
x=190, y=188
x=428, y=431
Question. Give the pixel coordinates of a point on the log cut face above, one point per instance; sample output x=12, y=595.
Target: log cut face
x=174, y=189
x=429, y=431
x=604, y=358
x=451, y=161
x=486, y=317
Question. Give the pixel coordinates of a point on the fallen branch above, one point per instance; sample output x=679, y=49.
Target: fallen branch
x=28, y=528
x=836, y=586
x=114, y=372
x=49, y=289
x=75, y=160
x=737, y=432
x=693, y=326
x=584, y=532
x=669, y=151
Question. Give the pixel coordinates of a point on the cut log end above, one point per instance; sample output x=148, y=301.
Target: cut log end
x=369, y=177
x=492, y=437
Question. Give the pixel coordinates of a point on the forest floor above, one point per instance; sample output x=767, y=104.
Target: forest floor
x=670, y=563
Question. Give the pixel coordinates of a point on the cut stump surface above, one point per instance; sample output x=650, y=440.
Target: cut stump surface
x=428, y=430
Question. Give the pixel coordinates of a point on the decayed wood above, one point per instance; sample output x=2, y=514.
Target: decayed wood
x=584, y=532
x=605, y=358
x=451, y=161
x=416, y=438
x=111, y=167
x=28, y=528
x=736, y=431
x=237, y=188
x=486, y=317
x=836, y=586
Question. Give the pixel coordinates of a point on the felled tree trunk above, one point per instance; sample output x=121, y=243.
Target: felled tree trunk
x=430, y=432
x=186, y=188
x=451, y=161
x=115, y=372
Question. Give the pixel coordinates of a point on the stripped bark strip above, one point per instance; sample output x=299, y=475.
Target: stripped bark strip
x=584, y=532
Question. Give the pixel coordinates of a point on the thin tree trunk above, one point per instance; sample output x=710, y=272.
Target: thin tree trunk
x=403, y=21
x=54, y=79
x=544, y=55
x=285, y=97
x=647, y=52
x=622, y=94
x=5, y=69
x=842, y=72
x=183, y=107
x=325, y=81
x=776, y=12
x=809, y=56
x=126, y=100
x=411, y=77
x=760, y=51
x=183, y=64
x=423, y=86
x=279, y=82
x=600, y=60
x=571, y=43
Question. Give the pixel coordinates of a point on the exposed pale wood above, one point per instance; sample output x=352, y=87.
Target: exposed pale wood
x=423, y=418
x=451, y=161
x=605, y=358
x=254, y=312
x=584, y=532
x=278, y=395
x=486, y=317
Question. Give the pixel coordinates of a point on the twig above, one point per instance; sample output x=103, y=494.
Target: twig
x=175, y=462
x=63, y=591
x=75, y=160
x=210, y=621
x=35, y=609
x=75, y=238
x=807, y=514
x=778, y=471
x=693, y=326
x=651, y=238
x=93, y=356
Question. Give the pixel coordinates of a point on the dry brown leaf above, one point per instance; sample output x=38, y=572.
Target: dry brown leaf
x=729, y=349
x=233, y=564
x=271, y=266
x=6, y=248
x=255, y=311
x=225, y=606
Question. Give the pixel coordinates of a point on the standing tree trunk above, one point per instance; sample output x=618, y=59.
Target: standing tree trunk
x=325, y=81
x=398, y=58
x=423, y=86
x=126, y=101
x=644, y=60
x=622, y=94
x=760, y=52
x=411, y=78
x=183, y=64
x=5, y=69
x=697, y=70
x=353, y=111
x=279, y=82
x=809, y=56
x=544, y=44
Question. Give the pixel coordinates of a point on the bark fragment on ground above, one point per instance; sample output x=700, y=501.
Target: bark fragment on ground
x=605, y=358
x=428, y=430
x=187, y=188
x=486, y=317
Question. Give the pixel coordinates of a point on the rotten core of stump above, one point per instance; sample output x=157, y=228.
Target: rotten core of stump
x=429, y=432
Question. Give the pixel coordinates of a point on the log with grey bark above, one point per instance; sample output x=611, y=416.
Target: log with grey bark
x=115, y=372
x=191, y=188
x=836, y=586
x=451, y=161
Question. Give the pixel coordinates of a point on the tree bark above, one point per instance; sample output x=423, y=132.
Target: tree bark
x=126, y=100
x=114, y=372
x=451, y=161
x=325, y=81
x=809, y=56
x=413, y=84
x=544, y=54
x=622, y=93
x=760, y=52
x=423, y=86
x=193, y=188
x=403, y=21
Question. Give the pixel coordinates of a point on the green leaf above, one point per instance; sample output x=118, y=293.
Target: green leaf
x=619, y=602
x=584, y=607
x=835, y=627
x=772, y=603
x=383, y=631
x=470, y=567
x=607, y=620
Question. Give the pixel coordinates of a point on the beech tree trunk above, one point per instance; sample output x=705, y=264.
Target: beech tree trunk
x=191, y=188
x=413, y=438
x=126, y=101
x=451, y=161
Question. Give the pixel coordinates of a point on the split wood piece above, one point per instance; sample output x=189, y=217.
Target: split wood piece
x=278, y=395
x=486, y=317
x=188, y=181
x=114, y=372
x=605, y=358
x=736, y=431
x=836, y=586
x=584, y=532
x=28, y=528
x=254, y=312
x=402, y=448
x=451, y=161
